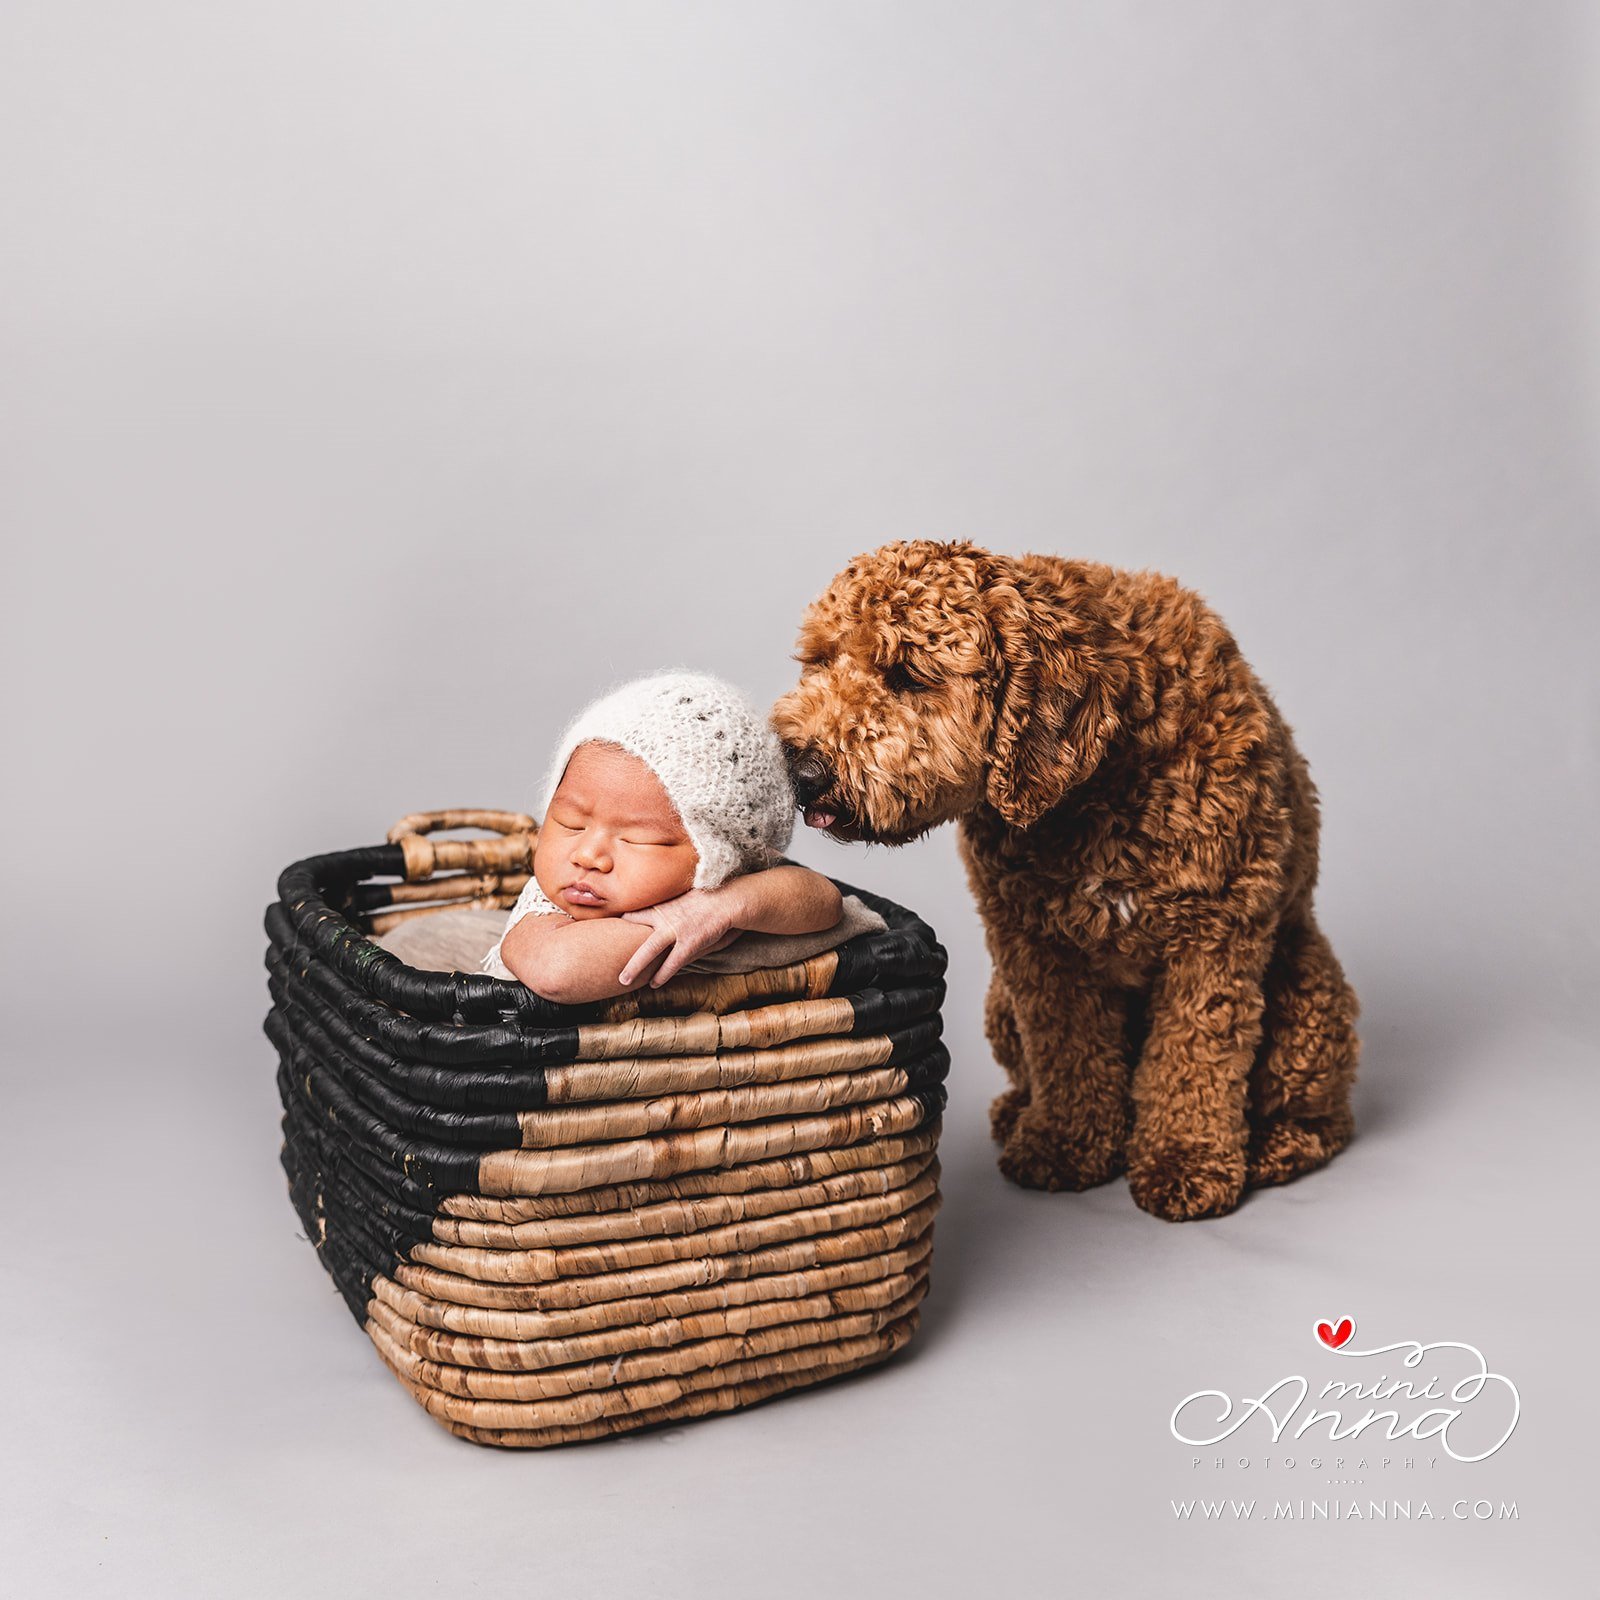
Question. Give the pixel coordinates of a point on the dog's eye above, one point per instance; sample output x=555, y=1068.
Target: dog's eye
x=900, y=680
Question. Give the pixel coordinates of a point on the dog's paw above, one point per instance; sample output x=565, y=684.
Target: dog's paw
x=1004, y=1110
x=1282, y=1151
x=1041, y=1153
x=1183, y=1180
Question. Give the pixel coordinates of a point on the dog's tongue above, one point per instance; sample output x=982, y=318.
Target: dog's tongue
x=816, y=817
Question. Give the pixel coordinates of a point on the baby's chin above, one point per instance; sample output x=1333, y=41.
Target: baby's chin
x=592, y=913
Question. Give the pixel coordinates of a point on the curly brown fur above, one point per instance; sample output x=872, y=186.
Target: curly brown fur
x=1140, y=833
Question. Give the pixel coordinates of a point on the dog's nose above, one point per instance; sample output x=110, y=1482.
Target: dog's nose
x=812, y=776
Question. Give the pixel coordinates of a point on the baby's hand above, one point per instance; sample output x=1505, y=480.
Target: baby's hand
x=683, y=928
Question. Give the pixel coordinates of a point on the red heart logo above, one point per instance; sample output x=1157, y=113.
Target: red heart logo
x=1336, y=1336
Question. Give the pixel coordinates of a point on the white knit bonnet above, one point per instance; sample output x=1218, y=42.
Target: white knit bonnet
x=721, y=765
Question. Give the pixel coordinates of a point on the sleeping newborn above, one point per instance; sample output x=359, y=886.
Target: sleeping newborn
x=668, y=808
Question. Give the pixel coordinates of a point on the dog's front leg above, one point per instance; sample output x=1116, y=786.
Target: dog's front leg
x=1186, y=1154
x=1072, y=1133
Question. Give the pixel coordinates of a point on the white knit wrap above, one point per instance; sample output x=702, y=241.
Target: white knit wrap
x=721, y=765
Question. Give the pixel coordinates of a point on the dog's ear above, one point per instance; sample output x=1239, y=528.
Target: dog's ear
x=1055, y=711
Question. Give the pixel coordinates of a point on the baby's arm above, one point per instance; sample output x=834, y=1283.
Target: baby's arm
x=780, y=900
x=595, y=958
x=573, y=961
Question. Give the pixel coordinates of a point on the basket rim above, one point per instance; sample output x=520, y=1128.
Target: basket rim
x=503, y=1045
x=308, y=916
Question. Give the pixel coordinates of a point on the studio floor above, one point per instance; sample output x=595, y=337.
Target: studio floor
x=197, y=1413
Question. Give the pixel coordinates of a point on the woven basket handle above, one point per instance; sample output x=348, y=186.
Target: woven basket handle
x=511, y=850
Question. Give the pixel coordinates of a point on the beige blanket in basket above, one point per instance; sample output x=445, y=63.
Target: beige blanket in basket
x=457, y=940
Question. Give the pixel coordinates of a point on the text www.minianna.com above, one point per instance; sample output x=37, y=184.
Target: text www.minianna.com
x=1344, y=1511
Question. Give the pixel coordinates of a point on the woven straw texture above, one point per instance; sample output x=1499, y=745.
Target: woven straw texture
x=557, y=1223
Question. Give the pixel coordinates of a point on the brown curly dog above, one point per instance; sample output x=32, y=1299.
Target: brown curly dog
x=1141, y=836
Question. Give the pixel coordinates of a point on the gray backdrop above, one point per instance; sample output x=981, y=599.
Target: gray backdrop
x=379, y=381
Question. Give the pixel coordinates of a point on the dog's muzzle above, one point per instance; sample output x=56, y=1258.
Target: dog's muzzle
x=812, y=778
x=811, y=775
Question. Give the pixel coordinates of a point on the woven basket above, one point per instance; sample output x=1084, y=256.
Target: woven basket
x=561, y=1222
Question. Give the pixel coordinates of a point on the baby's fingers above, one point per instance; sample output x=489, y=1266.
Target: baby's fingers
x=674, y=964
x=639, y=962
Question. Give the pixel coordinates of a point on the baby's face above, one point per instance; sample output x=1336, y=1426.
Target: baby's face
x=610, y=841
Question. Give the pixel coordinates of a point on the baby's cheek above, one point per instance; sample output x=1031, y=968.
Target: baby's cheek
x=543, y=873
x=679, y=879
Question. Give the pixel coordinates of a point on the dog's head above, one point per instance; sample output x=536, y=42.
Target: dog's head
x=934, y=678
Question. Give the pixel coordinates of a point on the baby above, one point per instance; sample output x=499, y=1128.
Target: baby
x=668, y=804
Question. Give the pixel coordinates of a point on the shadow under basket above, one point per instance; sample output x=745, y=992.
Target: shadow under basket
x=556, y=1222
